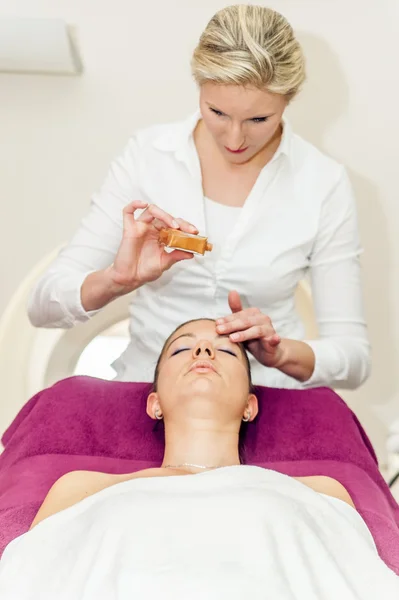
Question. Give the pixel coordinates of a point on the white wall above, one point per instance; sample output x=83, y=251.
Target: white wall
x=57, y=135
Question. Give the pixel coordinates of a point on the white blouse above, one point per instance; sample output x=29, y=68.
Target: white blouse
x=219, y=220
x=299, y=218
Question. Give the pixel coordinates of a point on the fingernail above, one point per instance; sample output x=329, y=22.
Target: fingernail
x=192, y=228
x=219, y=321
x=235, y=336
x=221, y=327
x=175, y=224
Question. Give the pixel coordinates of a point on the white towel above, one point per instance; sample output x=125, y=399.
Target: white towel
x=234, y=533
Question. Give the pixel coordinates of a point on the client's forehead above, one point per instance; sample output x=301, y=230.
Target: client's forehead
x=197, y=328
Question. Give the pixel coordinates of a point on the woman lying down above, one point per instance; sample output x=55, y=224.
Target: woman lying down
x=201, y=526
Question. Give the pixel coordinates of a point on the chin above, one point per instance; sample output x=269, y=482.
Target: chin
x=205, y=378
x=204, y=383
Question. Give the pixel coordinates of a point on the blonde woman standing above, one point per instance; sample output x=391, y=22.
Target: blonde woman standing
x=275, y=208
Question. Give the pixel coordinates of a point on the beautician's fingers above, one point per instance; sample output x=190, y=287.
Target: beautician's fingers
x=243, y=320
x=129, y=221
x=256, y=332
x=160, y=218
x=168, y=259
x=133, y=206
x=186, y=226
x=235, y=301
x=153, y=211
x=273, y=340
x=158, y=224
x=183, y=226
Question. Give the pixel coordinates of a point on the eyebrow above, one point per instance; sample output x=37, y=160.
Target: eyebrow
x=178, y=338
x=263, y=116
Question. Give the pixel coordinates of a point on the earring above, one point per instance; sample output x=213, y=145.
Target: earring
x=158, y=415
x=247, y=417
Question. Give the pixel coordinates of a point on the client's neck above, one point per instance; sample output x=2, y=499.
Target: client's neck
x=200, y=443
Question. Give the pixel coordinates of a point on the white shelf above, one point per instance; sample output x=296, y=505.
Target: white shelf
x=37, y=46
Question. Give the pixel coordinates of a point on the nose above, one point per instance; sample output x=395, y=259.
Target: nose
x=204, y=349
x=235, y=137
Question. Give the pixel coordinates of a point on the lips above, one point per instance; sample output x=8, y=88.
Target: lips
x=202, y=366
x=239, y=151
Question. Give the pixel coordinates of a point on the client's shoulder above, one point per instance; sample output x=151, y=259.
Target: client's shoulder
x=71, y=488
x=80, y=479
x=75, y=486
x=79, y=484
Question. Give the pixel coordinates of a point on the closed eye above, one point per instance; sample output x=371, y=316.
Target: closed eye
x=228, y=351
x=178, y=351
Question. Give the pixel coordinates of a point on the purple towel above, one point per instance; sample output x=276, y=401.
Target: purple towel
x=91, y=424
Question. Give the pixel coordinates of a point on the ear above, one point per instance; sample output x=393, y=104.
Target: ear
x=153, y=405
x=252, y=407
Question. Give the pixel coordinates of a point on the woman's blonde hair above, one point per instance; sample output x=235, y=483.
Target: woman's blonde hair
x=250, y=45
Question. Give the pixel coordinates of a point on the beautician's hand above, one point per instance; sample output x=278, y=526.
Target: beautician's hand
x=141, y=258
x=254, y=329
x=292, y=357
